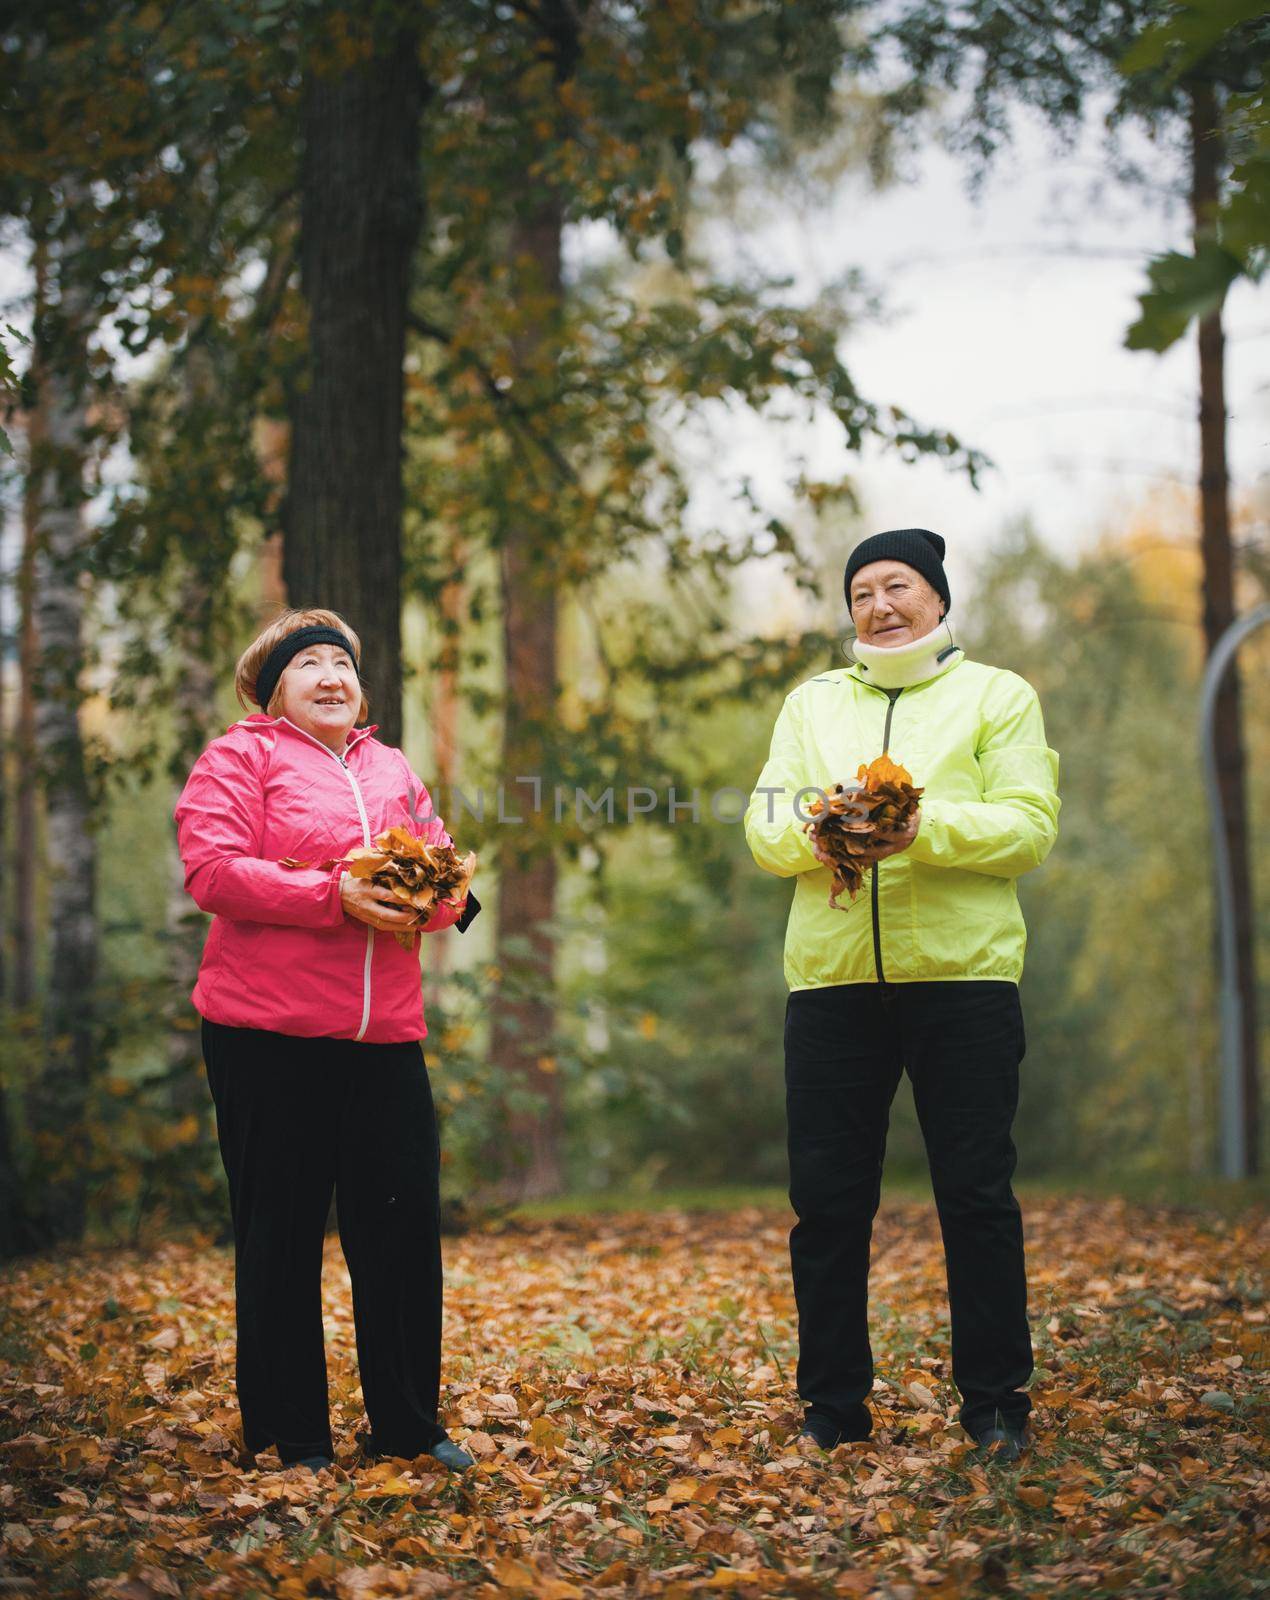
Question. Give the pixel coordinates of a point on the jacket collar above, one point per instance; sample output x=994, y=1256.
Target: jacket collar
x=261, y=720
x=906, y=665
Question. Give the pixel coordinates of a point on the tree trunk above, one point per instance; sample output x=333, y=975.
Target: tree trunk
x=451, y=606
x=1219, y=599
x=13, y=1225
x=25, y=833
x=194, y=704
x=359, y=221
x=273, y=451
x=59, y=1096
x=10, y=1189
x=26, y=842
x=8, y=771
x=524, y=1013
x=185, y=924
x=15, y=1211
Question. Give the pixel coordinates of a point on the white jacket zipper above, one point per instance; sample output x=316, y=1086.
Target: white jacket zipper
x=366, y=840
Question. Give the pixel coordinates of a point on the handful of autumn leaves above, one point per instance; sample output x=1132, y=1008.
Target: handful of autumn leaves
x=417, y=873
x=846, y=824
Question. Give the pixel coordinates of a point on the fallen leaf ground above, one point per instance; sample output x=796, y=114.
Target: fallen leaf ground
x=625, y=1382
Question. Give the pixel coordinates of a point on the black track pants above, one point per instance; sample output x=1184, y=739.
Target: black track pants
x=845, y=1048
x=296, y=1120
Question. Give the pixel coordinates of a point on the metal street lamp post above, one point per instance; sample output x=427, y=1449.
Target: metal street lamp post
x=1234, y=1140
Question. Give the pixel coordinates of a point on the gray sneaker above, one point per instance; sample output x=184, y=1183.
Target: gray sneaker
x=449, y=1455
x=445, y=1451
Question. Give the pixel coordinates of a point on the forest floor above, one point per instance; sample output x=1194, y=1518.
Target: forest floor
x=625, y=1382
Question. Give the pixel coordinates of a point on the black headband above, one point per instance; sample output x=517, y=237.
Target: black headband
x=277, y=659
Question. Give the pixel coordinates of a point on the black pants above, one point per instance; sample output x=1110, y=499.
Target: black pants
x=845, y=1048
x=298, y=1119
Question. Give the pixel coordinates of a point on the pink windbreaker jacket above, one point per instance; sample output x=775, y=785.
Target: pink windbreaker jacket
x=280, y=953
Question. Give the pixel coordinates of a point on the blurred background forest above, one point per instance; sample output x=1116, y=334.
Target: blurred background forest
x=435, y=313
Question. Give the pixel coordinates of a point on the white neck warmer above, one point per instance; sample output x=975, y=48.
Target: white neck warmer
x=904, y=665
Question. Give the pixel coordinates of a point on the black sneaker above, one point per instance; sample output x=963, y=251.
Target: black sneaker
x=829, y=1433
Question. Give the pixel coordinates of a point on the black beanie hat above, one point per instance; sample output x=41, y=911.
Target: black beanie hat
x=915, y=547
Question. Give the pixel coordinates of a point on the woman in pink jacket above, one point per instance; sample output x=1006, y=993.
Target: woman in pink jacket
x=312, y=1021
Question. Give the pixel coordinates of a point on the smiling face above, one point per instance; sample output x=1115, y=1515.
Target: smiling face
x=320, y=693
x=892, y=604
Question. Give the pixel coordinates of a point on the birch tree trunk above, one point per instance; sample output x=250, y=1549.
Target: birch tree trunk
x=194, y=702
x=8, y=774
x=16, y=1232
x=185, y=924
x=60, y=1094
x=10, y=1193
x=26, y=842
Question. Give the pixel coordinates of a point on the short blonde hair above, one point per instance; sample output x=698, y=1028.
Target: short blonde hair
x=257, y=653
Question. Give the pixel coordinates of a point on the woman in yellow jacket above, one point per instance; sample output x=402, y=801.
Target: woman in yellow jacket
x=919, y=972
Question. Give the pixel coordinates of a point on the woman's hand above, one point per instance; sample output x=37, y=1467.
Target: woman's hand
x=366, y=902
x=890, y=844
x=883, y=845
x=822, y=855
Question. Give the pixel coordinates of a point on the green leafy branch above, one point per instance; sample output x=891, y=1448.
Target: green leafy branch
x=1225, y=40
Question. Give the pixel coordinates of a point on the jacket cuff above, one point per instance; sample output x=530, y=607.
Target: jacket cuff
x=335, y=902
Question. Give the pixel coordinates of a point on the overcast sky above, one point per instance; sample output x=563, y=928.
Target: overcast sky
x=1007, y=321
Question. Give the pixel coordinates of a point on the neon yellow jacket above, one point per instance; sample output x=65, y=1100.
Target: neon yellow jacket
x=946, y=907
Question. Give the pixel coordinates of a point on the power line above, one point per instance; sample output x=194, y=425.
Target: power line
x=1040, y=408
